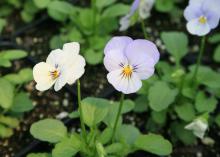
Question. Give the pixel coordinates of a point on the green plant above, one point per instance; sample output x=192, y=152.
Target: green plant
x=13, y=99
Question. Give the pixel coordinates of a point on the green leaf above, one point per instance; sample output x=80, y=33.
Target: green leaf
x=114, y=148
x=100, y=4
x=207, y=76
x=86, y=20
x=214, y=38
x=176, y=44
x=6, y=94
x=94, y=110
x=13, y=54
x=3, y=23
x=141, y=104
x=105, y=136
x=49, y=130
x=116, y=10
x=56, y=42
x=204, y=104
x=42, y=3
x=185, y=111
x=39, y=155
x=9, y=121
x=217, y=54
x=159, y=117
x=161, y=96
x=93, y=57
x=153, y=143
x=24, y=75
x=68, y=147
x=164, y=5
x=5, y=132
x=4, y=62
x=217, y=120
x=184, y=135
x=128, y=105
x=22, y=103
x=127, y=134
x=59, y=10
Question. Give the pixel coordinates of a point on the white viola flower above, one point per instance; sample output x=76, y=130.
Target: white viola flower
x=202, y=16
x=198, y=126
x=129, y=62
x=144, y=8
x=61, y=67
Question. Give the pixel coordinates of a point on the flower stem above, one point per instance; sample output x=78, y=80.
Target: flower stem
x=80, y=111
x=143, y=29
x=202, y=47
x=118, y=115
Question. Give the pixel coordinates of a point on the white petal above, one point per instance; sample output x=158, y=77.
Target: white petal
x=72, y=48
x=56, y=58
x=123, y=84
x=41, y=74
x=76, y=69
x=61, y=81
x=196, y=28
x=145, y=8
x=144, y=71
x=124, y=23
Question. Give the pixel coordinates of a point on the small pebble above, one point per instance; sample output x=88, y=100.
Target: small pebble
x=65, y=102
x=62, y=115
x=199, y=154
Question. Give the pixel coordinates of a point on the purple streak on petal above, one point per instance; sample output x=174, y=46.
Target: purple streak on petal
x=117, y=43
x=141, y=51
x=134, y=7
x=114, y=59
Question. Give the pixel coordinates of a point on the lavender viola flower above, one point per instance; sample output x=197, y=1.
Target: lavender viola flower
x=144, y=8
x=128, y=62
x=202, y=16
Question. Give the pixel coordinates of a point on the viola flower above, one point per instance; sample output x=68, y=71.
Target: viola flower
x=198, y=126
x=202, y=16
x=144, y=8
x=128, y=62
x=61, y=67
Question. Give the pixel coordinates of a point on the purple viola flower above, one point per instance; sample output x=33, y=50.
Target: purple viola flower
x=144, y=8
x=202, y=16
x=129, y=61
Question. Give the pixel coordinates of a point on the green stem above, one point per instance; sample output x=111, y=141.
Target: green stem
x=202, y=47
x=118, y=115
x=80, y=111
x=143, y=29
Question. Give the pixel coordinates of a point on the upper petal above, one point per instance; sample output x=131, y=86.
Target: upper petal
x=141, y=51
x=145, y=8
x=71, y=48
x=41, y=74
x=196, y=28
x=213, y=19
x=56, y=58
x=192, y=12
x=124, y=84
x=134, y=6
x=117, y=43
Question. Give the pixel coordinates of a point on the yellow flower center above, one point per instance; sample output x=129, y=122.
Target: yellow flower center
x=54, y=74
x=127, y=71
x=202, y=19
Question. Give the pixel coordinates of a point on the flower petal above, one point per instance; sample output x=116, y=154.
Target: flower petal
x=196, y=28
x=134, y=6
x=145, y=8
x=72, y=48
x=124, y=84
x=141, y=51
x=61, y=80
x=144, y=71
x=113, y=60
x=56, y=58
x=118, y=43
x=76, y=69
x=192, y=12
x=124, y=23
x=213, y=19
x=41, y=74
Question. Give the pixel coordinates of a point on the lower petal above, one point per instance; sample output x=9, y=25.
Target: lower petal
x=144, y=71
x=124, y=84
x=195, y=28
